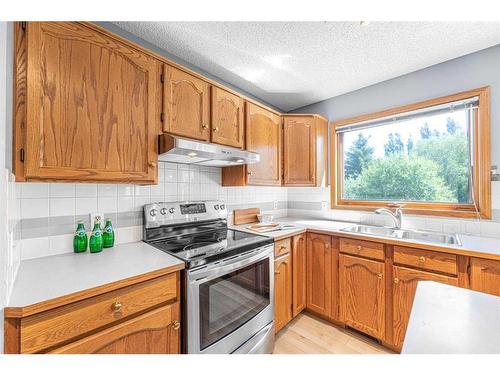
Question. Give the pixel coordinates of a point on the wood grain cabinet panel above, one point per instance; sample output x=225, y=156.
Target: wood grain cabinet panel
x=56, y=326
x=155, y=332
x=227, y=118
x=186, y=104
x=282, y=247
x=91, y=106
x=299, y=265
x=362, y=294
x=366, y=249
x=403, y=292
x=427, y=260
x=299, y=138
x=319, y=274
x=282, y=291
x=485, y=275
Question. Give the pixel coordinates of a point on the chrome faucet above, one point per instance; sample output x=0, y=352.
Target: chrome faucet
x=397, y=216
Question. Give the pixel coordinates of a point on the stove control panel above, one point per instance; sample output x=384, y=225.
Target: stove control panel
x=168, y=213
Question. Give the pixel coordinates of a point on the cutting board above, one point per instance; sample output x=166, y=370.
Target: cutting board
x=248, y=215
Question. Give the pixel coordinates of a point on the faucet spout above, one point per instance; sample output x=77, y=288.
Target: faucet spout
x=397, y=217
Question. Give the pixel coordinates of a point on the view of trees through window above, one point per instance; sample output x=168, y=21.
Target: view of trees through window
x=424, y=159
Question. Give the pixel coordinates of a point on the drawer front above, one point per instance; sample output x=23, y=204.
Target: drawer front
x=427, y=260
x=282, y=247
x=45, y=330
x=366, y=249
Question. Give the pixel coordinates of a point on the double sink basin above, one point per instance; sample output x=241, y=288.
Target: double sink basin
x=405, y=234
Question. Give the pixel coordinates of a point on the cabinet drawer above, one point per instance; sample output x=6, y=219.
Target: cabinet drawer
x=427, y=260
x=59, y=325
x=366, y=249
x=282, y=247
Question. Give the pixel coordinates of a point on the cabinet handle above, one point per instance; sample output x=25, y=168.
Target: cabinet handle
x=276, y=271
x=380, y=276
x=152, y=164
x=176, y=325
x=204, y=126
x=216, y=130
x=116, y=307
x=421, y=259
x=396, y=280
x=249, y=173
x=359, y=248
x=327, y=246
x=282, y=247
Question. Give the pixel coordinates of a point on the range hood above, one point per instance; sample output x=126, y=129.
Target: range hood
x=186, y=151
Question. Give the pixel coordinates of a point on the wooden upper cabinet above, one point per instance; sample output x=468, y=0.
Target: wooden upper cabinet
x=362, y=295
x=91, y=105
x=186, y=104
x=305, y=150
x=485, y=275
x=299, y=265
x=403, y=292
x=156, y=332
x=228, y=118
x=263, y=135
x=319, y=274
x=282, y=291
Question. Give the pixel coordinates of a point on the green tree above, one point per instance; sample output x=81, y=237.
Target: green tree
x=451, y=126
x=394, y=144
x=409, y=144
x=450, y=153
x=358, y=156
x=425, y=132
x=397, y=177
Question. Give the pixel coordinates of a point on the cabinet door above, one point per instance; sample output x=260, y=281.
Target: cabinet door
x=299, y=265
x=156, y=332
x=362, y=294
x=92, y=106
x=319, y=273
x=485, y=275
x=282, y=291
x=299, y=137
x=403, y=291
x=263, y=135
x=227, y=118
x=186, y=104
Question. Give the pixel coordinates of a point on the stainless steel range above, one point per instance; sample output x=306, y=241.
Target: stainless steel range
x=229, y=279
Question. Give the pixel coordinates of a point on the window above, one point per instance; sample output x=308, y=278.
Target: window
x=433, y=157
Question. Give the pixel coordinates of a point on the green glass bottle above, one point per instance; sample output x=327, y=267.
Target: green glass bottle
x=80, y=240
x=95, y=243
x=108, y=235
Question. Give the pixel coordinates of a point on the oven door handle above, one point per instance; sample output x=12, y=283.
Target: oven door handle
x=214, y=271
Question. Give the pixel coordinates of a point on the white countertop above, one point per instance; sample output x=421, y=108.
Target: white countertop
x=450, y=320
x=46, y=278
x=484, y=246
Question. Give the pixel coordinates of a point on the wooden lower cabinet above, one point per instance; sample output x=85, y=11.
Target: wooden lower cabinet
x=403, y=292
x=362, y=294
x=282, y=291
x=319, y=274
x=299, y=265
x=156, y=332
x=485, y=276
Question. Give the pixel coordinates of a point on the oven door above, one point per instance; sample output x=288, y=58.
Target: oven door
x=230, y=301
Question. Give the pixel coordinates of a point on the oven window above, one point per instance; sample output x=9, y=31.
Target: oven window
x=228, y=302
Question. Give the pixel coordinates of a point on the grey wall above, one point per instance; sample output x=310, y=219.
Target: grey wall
x=125, y=34
x=468, y=72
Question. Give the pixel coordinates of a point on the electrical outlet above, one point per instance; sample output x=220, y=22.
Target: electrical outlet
x=324, y=205
x=93, y=215
x=275, y=205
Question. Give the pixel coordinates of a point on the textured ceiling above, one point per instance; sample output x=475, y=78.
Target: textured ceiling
x=292, y=64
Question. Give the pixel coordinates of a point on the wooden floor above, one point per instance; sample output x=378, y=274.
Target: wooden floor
x=307, y=334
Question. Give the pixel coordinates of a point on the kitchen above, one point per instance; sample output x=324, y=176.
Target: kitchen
x=241, y=221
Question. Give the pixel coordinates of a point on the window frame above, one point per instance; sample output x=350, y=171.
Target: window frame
x=480, y=174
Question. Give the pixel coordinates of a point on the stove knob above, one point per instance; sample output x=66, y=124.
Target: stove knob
x=171, y=210
x=222, y=207
x=163, y=211
x=216, y=206
x=153, y=212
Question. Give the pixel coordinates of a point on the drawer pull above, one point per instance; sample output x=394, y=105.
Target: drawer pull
x=359, y=248
x=204, y=126
x=276, y=272
x=116, y=307
x=380, y=276
x=216, y=130
x=421, y=259
x=152, y=164
x=396, y=280
x=282, y=247
x=176, y=325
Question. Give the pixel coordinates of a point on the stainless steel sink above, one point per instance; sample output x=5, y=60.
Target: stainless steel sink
x=406, y=234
